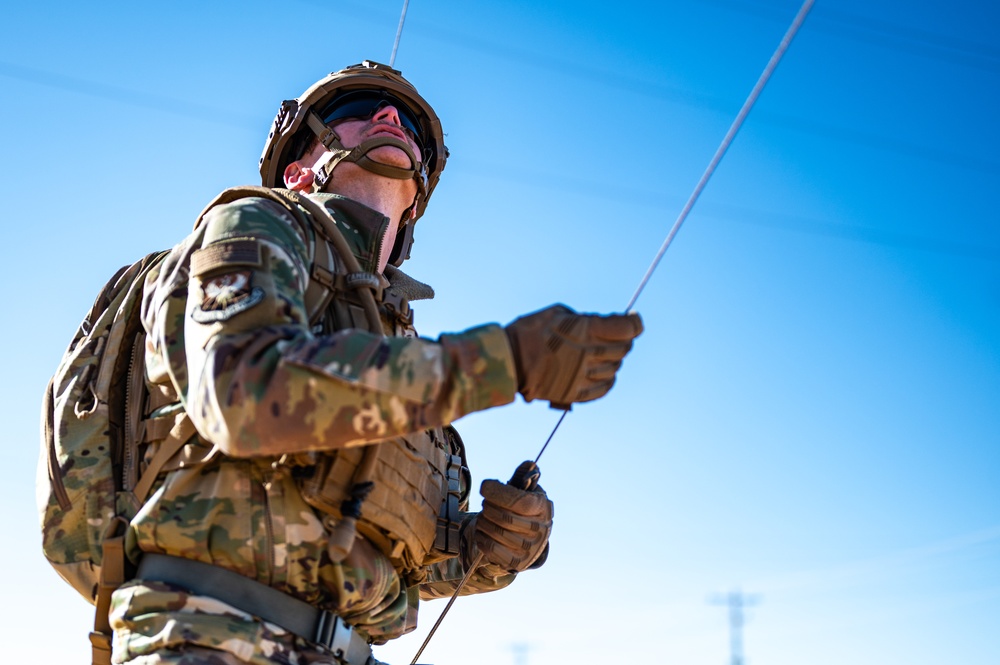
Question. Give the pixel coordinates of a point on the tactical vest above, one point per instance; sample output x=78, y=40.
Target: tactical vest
x=412, y=512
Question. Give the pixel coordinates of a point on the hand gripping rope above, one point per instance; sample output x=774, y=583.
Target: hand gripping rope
x=528, y=483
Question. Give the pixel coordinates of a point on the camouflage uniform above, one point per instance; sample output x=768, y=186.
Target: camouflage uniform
x=269, y=395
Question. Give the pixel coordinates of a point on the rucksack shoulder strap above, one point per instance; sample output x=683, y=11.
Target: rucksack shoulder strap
x=322, y=262
x=311, y=215
x=180, y=433
x=250, y=191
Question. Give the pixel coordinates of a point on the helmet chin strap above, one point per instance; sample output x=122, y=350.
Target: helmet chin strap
x=337, y=152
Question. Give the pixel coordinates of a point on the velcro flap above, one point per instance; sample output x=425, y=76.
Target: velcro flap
x=226, y=254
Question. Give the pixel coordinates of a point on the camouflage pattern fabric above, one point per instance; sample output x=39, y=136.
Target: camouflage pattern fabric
x=158, y=623
x=227, y=328
x=236, y=342
x=444, y=577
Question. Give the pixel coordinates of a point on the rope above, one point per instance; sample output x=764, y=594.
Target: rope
x=719, y=153
x=399, y=33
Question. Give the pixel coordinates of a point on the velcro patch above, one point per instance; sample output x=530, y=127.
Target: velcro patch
x=225, y=254
x=227, y=295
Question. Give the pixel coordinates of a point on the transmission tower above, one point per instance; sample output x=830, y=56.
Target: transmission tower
x=737, y=602
x=521, y=651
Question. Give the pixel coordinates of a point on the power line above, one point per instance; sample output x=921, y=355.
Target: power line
x=129, y=96
x=614, y=79
x=621, y=79
x=561, y=180
x=236, y=119
x=828, y=19
x=882, y=33
x=868, y=235
x=739, y=214
x=924, y=38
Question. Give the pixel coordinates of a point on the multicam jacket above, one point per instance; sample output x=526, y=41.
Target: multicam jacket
x=271, y=396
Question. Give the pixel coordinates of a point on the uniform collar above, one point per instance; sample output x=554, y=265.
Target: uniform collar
x=364, y=228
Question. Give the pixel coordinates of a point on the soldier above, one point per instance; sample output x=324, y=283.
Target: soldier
x=324, y=491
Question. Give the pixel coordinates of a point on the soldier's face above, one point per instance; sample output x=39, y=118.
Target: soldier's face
x=384, y=122
x=299, y=175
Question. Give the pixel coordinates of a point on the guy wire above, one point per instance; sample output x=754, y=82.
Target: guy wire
x=399, y=33
x=793, y=29
x=724, y=146
x=712, y=165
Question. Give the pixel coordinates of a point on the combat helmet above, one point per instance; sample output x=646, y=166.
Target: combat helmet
x=302, y=119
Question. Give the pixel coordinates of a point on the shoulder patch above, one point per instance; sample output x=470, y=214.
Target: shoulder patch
x=227, y=295
x=225, y=253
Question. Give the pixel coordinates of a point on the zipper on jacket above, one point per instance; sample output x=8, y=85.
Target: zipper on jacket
x=268, y=528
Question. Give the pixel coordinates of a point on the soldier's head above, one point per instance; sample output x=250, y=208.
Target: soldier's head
x=365, y=118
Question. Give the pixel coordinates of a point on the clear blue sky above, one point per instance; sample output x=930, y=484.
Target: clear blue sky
x=813, y=413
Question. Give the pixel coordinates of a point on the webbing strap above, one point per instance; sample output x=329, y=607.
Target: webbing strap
x=327, y=227
x=158, y=428
x=337, y=152
x=100, y=648
x=180, y=433
x=342, y=538
x=262, y=601
x=359, y=156
x=317, y=296
x=112, y=577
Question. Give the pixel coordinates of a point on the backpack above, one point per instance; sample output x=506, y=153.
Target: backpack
x=89, y=487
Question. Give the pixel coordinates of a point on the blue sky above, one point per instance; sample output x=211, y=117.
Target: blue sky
x=813, y=412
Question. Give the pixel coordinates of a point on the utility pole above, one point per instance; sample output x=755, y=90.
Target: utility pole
x=520, y=652
x=736, y=601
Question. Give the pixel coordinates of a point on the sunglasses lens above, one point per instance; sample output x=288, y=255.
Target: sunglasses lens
x=365, y=104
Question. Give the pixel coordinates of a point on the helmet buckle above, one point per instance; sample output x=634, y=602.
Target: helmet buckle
x=328, y=138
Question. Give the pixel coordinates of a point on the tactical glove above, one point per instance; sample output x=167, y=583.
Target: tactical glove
x=512, y=531
x=565, y=357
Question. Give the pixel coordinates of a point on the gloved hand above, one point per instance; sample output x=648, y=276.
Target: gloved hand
x=512, y=531
x=565, y=357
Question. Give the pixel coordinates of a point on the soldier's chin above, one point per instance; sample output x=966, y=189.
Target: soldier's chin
x=390, y=156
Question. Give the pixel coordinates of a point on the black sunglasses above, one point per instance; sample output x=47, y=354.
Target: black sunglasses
x=366, y=103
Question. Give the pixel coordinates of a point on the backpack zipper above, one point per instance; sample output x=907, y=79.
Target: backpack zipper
x=55, y=478
x=129, y=436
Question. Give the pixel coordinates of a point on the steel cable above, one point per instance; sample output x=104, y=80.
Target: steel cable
x=399, y=33
x=772, y=64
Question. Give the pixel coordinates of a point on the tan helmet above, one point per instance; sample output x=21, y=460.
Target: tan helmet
x=300, y=120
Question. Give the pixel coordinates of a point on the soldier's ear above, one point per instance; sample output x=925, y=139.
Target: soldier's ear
x=298, y=178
